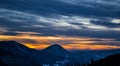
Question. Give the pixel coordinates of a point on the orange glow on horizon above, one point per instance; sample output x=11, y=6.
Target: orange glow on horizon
x=74, y=47
x=70, y=43
x=89, y=47
x=37, y=46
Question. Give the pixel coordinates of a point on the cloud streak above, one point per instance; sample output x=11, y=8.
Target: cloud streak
x=17, y=21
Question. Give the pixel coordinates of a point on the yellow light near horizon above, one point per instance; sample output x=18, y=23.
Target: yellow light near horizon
x=89, y=47
x=41, y=42
x=37, y=46
x=74, y=47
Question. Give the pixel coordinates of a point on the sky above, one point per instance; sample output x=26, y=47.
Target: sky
x=74, y=24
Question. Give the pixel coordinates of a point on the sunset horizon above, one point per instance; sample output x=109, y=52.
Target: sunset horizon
x=59, y=32
x=69, y=43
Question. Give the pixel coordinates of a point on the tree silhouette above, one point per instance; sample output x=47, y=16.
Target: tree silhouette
x=113, y=60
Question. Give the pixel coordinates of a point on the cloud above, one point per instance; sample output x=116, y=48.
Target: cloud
x=18, y=21
x=102, y=8
x=3, y=30
x=117, y=21
x=110, y=43
x=108, y=23
x=93, y=2
x=63, y=40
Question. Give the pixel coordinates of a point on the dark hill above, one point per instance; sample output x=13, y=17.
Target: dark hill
x=56, y=49
x=113, y=60
x=13, y=53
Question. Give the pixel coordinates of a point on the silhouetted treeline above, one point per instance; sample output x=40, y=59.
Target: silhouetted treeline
x=113, y=60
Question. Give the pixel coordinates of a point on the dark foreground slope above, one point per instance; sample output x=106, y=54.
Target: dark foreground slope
x=113, y=60
x=15, y=54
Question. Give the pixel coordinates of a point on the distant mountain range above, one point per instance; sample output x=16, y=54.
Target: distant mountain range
x=13, y=53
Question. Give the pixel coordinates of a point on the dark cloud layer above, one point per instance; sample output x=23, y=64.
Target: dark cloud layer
x=106, y=23
x=59, y=7
x=56, y=17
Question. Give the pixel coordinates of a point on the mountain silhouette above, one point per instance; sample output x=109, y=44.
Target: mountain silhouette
x=55, y=47
x=58, y=50
x=13, y=53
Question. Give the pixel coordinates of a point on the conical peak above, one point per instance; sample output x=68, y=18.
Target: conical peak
x=57, y=50
x=57, y=45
